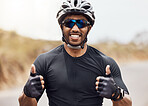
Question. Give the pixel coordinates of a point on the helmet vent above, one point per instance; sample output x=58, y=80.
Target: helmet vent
x=82, y=1
x=69, y=1
x=64, y=6
x=75, y=3
x=86, y=7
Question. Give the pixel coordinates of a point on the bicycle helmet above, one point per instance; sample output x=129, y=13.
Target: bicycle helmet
x=76, y=7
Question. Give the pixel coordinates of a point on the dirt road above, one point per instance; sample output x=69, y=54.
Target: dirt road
x=135, y=75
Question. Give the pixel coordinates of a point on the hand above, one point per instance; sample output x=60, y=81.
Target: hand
x=35, y=84
x=106, y=86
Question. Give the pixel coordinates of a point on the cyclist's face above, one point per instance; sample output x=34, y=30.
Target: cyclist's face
x=75, y=35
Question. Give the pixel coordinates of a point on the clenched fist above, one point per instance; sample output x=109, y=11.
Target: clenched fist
x=35, y=84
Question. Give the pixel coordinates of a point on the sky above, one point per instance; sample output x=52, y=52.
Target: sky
x=118, y=20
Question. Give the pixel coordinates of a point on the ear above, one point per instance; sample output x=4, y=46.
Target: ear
x=61, y=26
x=89, y=27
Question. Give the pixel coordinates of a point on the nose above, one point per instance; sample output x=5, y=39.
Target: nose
x=75, y=28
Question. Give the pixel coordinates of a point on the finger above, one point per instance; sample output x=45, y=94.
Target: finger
x=100, y=88
x=101, y=93
x=97, y=83
x=41, y=78
x=100, y=78
x=108, y=70
x=38, y=77
x=33, y=70
x=40, y=85
x=42, y=82
x=43, y=86
x=98, y=92
x=97, y=88
x=101, y=84
x=97, y=78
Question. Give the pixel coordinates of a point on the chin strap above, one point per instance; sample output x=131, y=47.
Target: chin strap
x=81, y=46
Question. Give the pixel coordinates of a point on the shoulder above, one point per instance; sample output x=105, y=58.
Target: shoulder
x=51, y=54
x=44, y=60
x=97, y=53
x=104, y=60
x=94, y=51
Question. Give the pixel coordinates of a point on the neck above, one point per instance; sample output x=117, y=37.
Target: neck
x=75, y=52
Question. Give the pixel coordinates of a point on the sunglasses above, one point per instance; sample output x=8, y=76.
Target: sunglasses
x=71, y=22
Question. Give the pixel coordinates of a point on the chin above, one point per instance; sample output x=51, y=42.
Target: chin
x=75, y=44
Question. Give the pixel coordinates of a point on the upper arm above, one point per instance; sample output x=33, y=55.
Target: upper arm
x=40, y=67
x=116, y=73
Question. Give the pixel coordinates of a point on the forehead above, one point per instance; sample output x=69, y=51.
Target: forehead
x=76, y=17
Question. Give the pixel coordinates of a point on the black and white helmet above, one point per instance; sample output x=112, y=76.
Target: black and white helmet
x=76, y=7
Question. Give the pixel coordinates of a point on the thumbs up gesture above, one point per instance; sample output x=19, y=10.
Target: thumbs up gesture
x=106, y=86
x=35, y=84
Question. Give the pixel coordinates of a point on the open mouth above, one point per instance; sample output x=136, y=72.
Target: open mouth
x=75, y=36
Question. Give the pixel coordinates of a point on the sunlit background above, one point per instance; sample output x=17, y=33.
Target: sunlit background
x=120, y=31
x=118, y=20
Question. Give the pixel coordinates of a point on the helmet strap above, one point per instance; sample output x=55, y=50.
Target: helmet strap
x=85, y=40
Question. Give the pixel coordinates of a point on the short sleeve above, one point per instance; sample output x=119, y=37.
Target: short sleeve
x=116, y=73
x=39, y=65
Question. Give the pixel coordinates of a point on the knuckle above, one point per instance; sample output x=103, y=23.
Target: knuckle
x=42, y=82
x=97, y=83
x=105, y=84
x=96, y=87
x=97, y=78
x=43, y=86
x=32, y=83
x=31, y=78
x=41, y=77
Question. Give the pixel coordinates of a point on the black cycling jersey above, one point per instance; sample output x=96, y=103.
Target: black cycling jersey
x=70, y=81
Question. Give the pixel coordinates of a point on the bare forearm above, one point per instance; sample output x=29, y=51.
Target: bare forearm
x=27, y=101
x=126, y=101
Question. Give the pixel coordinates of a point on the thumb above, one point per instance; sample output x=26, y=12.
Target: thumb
x=33, y=70
x=108, y=72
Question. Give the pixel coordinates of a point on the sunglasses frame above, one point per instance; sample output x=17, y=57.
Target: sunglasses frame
x=85, y=23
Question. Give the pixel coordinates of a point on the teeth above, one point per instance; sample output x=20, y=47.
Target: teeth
x=75, y=36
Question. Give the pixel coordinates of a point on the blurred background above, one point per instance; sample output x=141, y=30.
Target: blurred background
x=29, y=28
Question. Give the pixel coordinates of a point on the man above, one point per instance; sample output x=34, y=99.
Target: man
x=75, y=74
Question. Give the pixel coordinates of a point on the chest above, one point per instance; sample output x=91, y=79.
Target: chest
x=65, y=73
